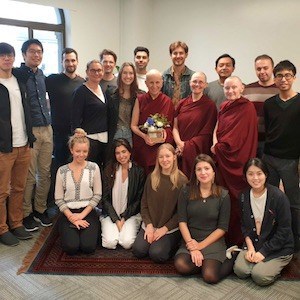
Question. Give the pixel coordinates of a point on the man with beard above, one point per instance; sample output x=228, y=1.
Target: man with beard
x=225, y=65
x=177, y=77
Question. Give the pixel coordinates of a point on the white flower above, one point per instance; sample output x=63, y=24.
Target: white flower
x=151, y=129
x=159, y=124
x=146, y=125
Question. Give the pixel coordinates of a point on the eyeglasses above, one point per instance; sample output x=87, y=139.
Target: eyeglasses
x=33, y=52
x=94, y=71
x=8, y=55
x=287, y=76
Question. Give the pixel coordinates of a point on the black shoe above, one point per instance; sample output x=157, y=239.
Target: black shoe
x=30, y=224
x=42, y=218
x=21, y=233
x=9, y=239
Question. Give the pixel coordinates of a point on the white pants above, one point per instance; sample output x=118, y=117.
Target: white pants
x=111, y=236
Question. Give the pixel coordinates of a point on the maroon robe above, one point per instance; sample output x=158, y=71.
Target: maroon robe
x=143, y=154
x=196, y=123
x=237, y=143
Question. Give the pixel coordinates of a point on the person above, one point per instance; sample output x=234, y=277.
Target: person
x=159, y=236
x=203, y=215
x=141, y=60
x=121, y=102
x=15, y=139
x=123, y=188
x=60, y=88
x=234, y=142
x=77, y=192
x=108, y=59
x=259, y=91
x=266, y=226
x=177, y=77
x=144, y=149
x=282, y=146
x=38, y=179
x=225, y=65
x=194, y=123
x=89, y=112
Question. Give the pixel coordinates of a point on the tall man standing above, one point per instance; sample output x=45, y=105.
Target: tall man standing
x=15, y=138
x=141, y=60
x=282, y=146
x=225, y=65
x=177, y=78
x=259, y=91
x=38, y=180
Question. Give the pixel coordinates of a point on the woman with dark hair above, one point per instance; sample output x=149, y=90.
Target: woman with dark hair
x=159, y=235
x=121, y=102
x=203, y=214
x=123, y=189
x=266, y=226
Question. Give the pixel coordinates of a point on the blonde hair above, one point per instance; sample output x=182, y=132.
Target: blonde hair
x=79, y=136
x=175, y=172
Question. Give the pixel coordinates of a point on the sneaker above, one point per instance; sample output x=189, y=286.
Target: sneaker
x=9, y=239
x=21, y=233
x=42, y=218
x=30, y=224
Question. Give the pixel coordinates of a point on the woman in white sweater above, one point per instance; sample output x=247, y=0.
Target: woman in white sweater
x=77, y=192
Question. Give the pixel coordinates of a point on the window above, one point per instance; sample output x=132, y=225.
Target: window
x=20, y=21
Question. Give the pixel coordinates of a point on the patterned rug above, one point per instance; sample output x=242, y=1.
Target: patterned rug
x=47, y=257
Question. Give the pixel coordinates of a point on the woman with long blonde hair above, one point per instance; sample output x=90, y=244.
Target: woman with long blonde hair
x=159, y=235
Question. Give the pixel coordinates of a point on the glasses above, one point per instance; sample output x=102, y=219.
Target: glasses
x=94, y=71
x=33, y=52
x=7, y=55
x=287, y=76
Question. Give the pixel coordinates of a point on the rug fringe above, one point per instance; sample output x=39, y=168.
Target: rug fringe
x=32, y=253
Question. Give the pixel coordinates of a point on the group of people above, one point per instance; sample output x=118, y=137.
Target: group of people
x=153, y=192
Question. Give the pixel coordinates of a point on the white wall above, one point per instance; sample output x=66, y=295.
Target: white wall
x=244, y=29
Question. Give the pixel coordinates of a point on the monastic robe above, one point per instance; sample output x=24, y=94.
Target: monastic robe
x=237, y=143
x=196, y=122
x=143, y=154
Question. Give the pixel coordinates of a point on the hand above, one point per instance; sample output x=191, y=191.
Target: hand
x=148, y=140
x=120, y=224
x=80, y=224
x=149, y=233
x=250, y=255
x=74, y=217
x=258, y=257
x=197, y=257
x=159, y=233
x=212, y=149
x=192, y=245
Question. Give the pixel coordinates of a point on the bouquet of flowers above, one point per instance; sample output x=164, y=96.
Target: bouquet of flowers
x=154, y=126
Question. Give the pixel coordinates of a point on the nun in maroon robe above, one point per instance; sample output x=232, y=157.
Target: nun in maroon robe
x=194, y=123
x=144, y=149
x=235, y=142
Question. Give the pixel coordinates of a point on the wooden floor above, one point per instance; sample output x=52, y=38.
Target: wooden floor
x=39, y=287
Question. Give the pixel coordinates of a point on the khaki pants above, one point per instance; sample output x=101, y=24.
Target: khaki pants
x=262, y=273
x=39, y=171
x=13, y=174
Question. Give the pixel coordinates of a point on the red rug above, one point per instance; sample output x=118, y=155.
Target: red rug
x=47, y=257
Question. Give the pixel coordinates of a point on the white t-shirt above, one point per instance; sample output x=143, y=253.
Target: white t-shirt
x=141, y=82
x=19, y=135
x=258, y=208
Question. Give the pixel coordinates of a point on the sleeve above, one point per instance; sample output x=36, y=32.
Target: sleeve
x=182, y=205
x=144, y=202
x=59, y=194
x=170, y=116
x=77, y=109
x=224, y=213
x=134, y=207
x=283, y=228
x=97, y=187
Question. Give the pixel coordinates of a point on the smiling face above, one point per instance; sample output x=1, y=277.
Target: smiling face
x=127, y=75
x=154, y=83
x=225, y=67
x=264, y=70
x=141, y=60
x=94, y=72
x=284, y=80
x=256, y=178
x=6, y=62
x=80, y=152
x=122, y=155
x=166, y=160
x=178, y=56
x=33, y=56
x=233, y=88
x=109, y=64
x=70, y=63
x=204, y=172
x=198, y=83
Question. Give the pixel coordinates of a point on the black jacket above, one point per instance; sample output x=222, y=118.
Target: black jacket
x=5, y=118
x=136, y=181
x=276, y=238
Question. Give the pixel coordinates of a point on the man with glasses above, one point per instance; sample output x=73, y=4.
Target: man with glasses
x=16, y=138
x=38, y=180
x=282, y=146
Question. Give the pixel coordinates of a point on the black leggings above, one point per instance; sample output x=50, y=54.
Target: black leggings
x=212, y=270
